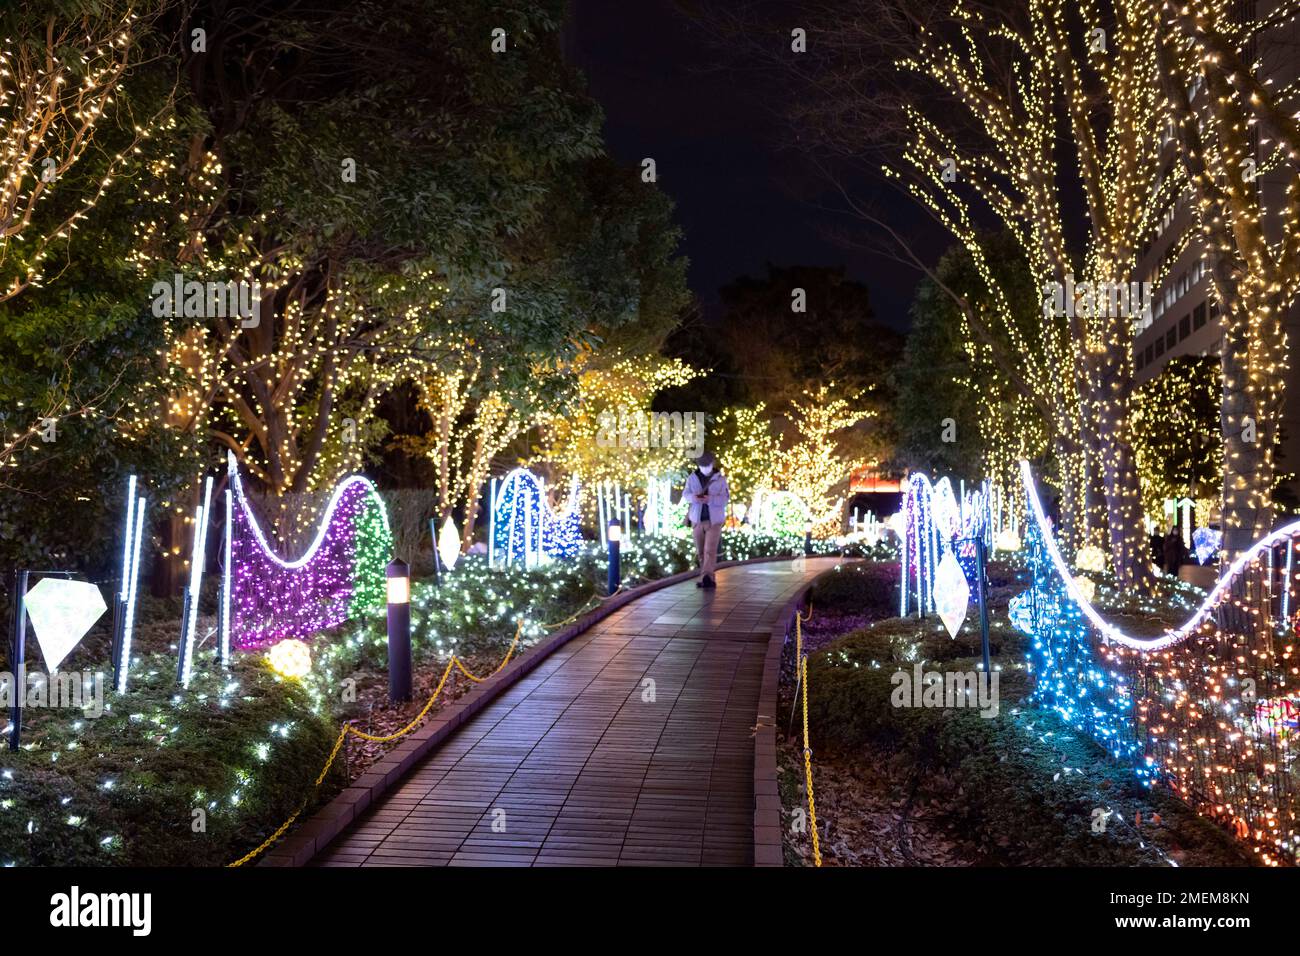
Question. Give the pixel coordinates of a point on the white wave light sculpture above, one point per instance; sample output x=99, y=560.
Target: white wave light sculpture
x=1109, y=631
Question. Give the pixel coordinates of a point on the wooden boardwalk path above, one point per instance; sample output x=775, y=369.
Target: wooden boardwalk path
x=580, y=764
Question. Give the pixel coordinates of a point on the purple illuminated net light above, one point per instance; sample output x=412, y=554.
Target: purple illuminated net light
x=271, y=601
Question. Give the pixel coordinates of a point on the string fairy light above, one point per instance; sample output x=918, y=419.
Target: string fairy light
x=1208, y=710
x=273, y=597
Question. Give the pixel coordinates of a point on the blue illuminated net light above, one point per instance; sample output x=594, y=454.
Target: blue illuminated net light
x=1209, y=707
x=525, y=529
x=1075, y=676
x=934, y=523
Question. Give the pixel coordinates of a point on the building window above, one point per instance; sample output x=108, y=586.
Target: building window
x=1198, y=316
x=1160, y=346
x=1184, y=327
x=1148, y=355
x=1171, y=338
x=1137, y=359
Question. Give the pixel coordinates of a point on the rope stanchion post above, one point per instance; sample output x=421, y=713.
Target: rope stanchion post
x=348, y=729
x=801, y=688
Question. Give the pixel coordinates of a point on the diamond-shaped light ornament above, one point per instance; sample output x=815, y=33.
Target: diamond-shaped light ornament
x=951, y=593
x=1206, y=541
x=62, y=612
x=449, y=544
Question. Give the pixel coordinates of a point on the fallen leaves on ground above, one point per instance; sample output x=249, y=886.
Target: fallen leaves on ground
x=863, y=814
x=381, y=717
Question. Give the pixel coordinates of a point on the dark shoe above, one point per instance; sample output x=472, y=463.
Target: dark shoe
x=708, y=582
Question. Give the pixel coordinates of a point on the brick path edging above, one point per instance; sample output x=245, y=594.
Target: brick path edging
x=768, y=846
x=310, y=838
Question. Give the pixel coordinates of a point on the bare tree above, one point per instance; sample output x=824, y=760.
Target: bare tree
x=962, y=107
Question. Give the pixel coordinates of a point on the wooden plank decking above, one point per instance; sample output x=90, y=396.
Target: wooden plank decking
x=571, y=766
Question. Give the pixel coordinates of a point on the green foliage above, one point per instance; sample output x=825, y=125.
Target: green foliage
x=84, y=343
x=616, y=247
x=945, y=374
x=1002, y=781
x=858, y=588
x=481, y=182
x=763, y=352
x=475, y=170
x=122, y=789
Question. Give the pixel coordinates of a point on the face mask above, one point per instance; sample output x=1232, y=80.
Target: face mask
x=706, y=469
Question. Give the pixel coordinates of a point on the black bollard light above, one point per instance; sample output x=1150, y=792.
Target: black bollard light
x=399, y=630
x=807, y=539
x=614, y=536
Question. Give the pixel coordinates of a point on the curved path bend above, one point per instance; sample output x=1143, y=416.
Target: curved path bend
x=580, y=764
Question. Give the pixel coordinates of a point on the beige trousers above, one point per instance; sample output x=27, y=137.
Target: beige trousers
x=707, y=534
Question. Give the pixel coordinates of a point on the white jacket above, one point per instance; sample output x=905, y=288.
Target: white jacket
x=718, y=492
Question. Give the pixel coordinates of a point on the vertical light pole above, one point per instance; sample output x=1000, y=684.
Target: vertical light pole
x=119, y=606
x=227, y=581
x=600, y=514
x=399, y=630
x=492, y=523
x=437, y=565
x=614, y=536
x=18, y=637
x=981, y=586
x=543, y=509
x=190, y=612
x=123, y=658
x=807, y=539
x=1286, y=589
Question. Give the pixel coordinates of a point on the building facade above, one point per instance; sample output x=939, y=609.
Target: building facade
x=1184, y=317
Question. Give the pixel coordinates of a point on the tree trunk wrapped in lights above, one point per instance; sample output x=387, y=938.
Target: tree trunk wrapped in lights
x=472, y=423
x=975, y=103
x=1034, y=62
x=608, y=431
x=1254, y=251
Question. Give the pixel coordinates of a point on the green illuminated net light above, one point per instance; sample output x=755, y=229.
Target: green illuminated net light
x=780, y=513
x=373, y=550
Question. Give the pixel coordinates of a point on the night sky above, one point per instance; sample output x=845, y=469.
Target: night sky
x=717, y=137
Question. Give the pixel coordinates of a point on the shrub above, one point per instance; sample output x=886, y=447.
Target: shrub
x=1022, y=786
x=859, y=588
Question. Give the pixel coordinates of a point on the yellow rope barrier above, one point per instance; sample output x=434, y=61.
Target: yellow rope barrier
x=587, y=606
x=593, y=602
x=802, y=663
x=347, y=728
x=500, y=667
x=456, y=663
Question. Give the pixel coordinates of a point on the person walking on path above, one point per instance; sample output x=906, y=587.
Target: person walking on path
x=708, y=494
